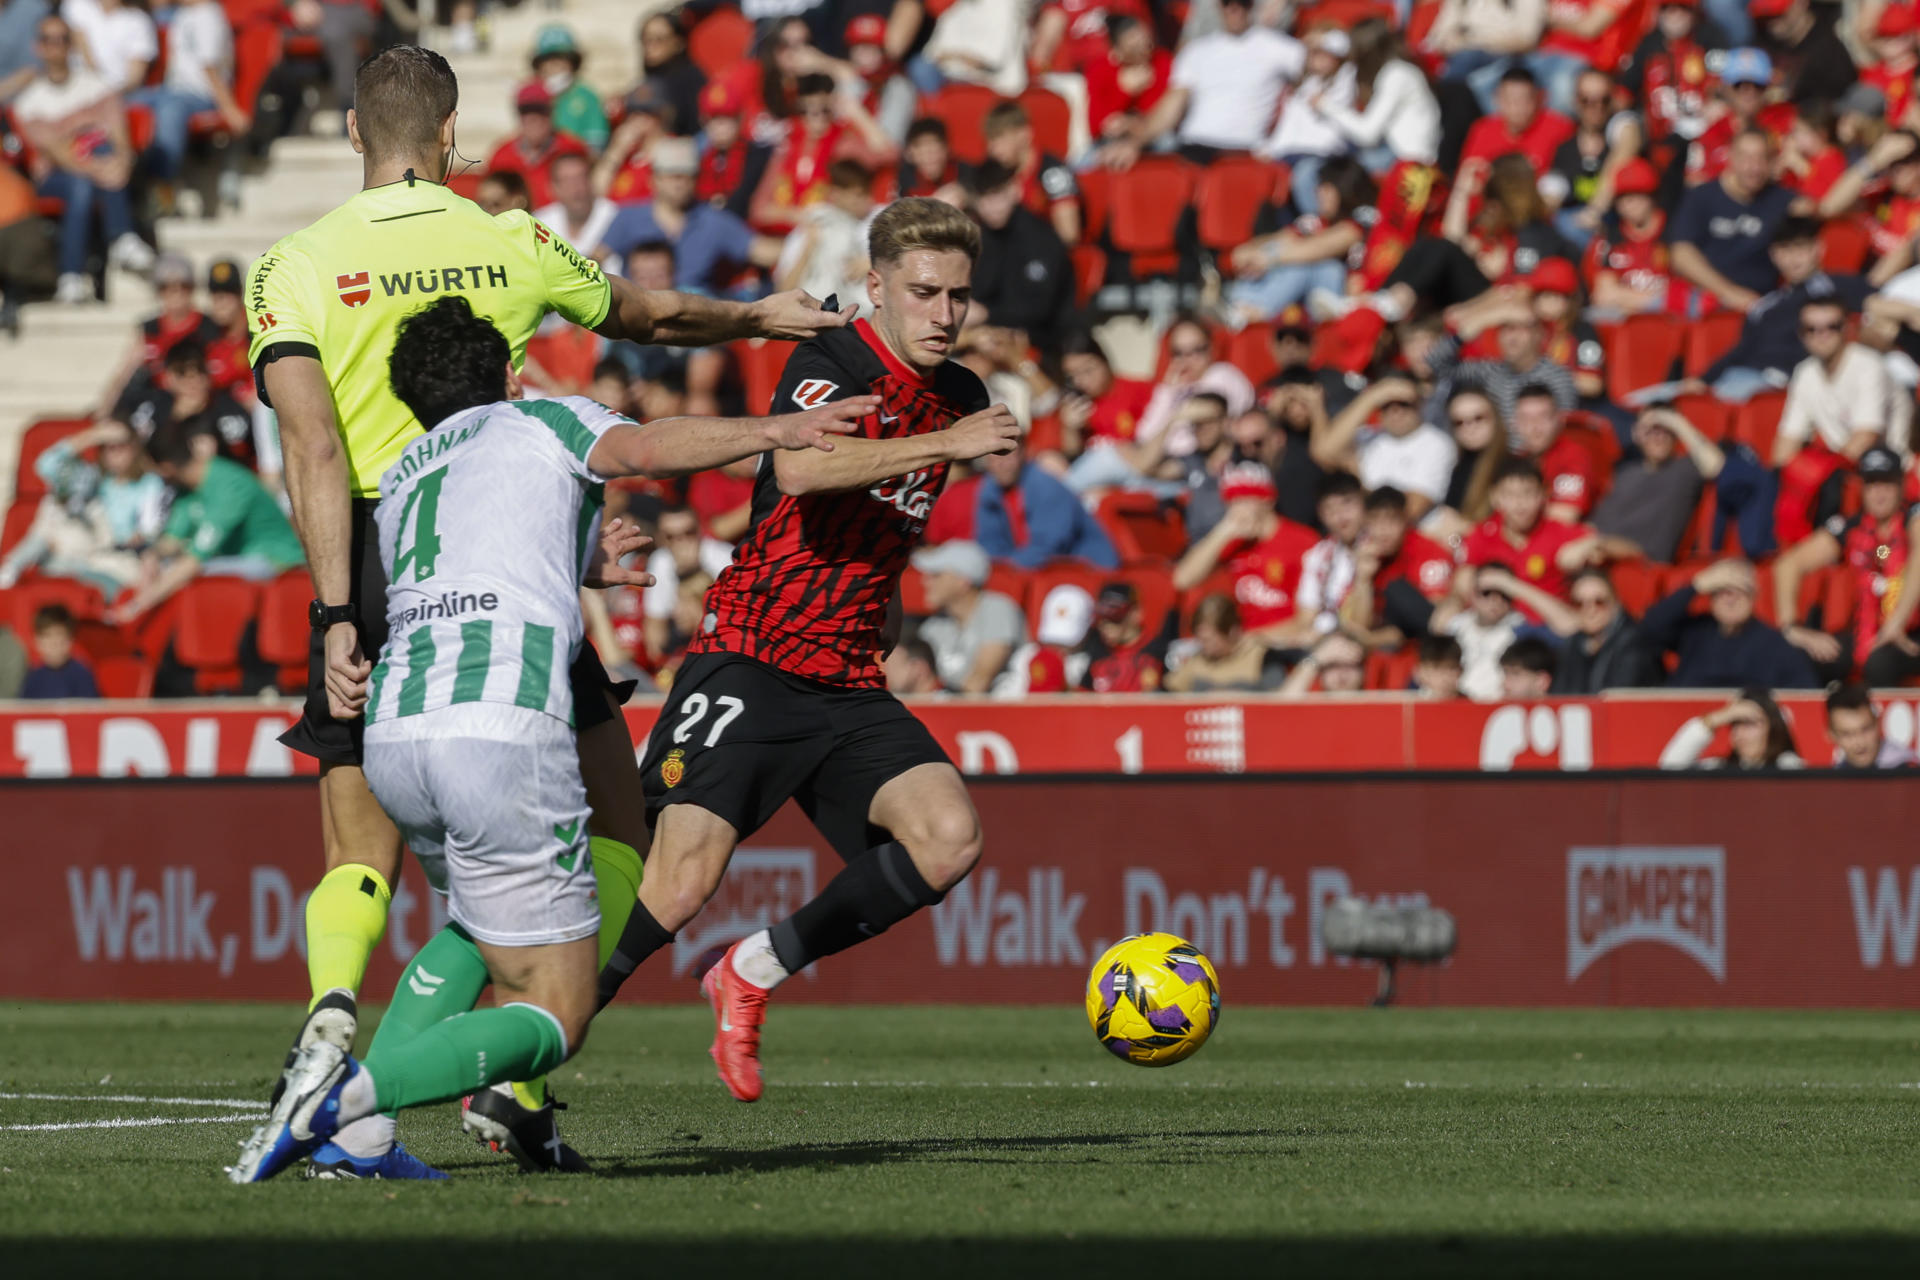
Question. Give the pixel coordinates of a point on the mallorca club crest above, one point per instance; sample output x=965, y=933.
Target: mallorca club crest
x=673, y=768
x=355, y=289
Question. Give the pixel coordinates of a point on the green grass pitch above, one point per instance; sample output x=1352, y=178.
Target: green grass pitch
x=988, y=1143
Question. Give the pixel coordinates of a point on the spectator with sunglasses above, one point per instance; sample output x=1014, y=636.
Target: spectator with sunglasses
x=1603, y=647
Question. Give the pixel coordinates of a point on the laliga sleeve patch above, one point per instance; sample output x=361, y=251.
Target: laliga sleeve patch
x=814, y=392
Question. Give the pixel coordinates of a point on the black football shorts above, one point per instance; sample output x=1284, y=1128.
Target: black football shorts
x=740, y=738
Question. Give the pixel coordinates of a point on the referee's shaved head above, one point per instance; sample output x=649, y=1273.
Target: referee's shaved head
x=401, y=97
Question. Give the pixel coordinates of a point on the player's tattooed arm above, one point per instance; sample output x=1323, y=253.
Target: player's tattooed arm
x=687, y=320
x=861, y=463
x=682, y=446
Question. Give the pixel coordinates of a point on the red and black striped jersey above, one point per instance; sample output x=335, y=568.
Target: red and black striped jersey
x=809, y=585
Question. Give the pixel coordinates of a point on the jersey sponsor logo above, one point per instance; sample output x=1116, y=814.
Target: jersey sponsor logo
x=1675, y=895
x=673, y=768
x=1435, y=574
x=355, y=289
x=911, y=494
x=813, y=392
x=267, y=320
x=441, y=279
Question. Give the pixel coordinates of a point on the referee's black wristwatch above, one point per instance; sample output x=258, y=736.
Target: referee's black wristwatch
x=321, y=616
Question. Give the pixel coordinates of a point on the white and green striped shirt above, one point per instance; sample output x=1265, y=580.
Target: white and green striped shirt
x=486, y=524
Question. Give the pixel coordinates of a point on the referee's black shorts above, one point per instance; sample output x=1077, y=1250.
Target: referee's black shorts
x=318, y=734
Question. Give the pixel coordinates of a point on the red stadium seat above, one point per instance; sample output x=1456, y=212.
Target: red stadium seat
x=1219, y=582
x=1391, y=670
x=26, y=482
x=1228, y=198
x=1089, y=272
x=1756, y=422
x=1096, y=199
x=1282, y=186
x=1711, y=417
x=913, y=593
x=1148, y=201
x=123, y=676
x=1844, y=246
x=962, y=107
x=1251, y=352
x=1839, y=597
x=719, y=40
x=465, y=183
x=1638, y=583
x=762, y=360
x=1641, y=353
x=256, y=50
x=1052, y=121
x=1141, y=528
x=1344, y=14
x=1697, y=540
x=1011, y=581
x=1711, y=337
x=282, y=636
x=19, y=519
x=213, y=614
x=28, y=597
x=1154, y=584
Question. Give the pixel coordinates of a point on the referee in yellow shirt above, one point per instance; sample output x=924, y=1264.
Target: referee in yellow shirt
x=323, y=306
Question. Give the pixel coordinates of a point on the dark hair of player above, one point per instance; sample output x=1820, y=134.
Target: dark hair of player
x=401, y=97
x=916, y=223
x=446, y=359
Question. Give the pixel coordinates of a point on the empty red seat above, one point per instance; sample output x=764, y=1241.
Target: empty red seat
x=719, y=40
x=123, y=675
x=1711, y=337
x=1251, y=352
x=1141, y=528
x=1154, y=585
x=282, y=636
x=1052, y=120
x=1844, y=246
x=1148, y=201
x=962, y=107
x=762, y=360
x=1711, y=417
x=1756, y=422
x=212, y=615
x=1011, y=581
x=1089, y=271
x=1096, y=198
x=1638, y=583
x=34, y=442
x=1228, y=198
x=1641, y=353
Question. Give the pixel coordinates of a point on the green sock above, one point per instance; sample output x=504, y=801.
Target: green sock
x=466, y=1052
x=346, y=914
x=616, y=872
x=445, y=978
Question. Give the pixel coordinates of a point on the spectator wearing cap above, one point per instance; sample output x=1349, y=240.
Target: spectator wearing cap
x=1656, y=487
x=1380, y=438
x=1400, y=120
x=1399, y=575
x=1024, y=515
x=624, y=171
x=1770, y=346
x=927, y=166
x=1260, y=552
x=177, y=320
x=577, y=215
x=1858, y=741
x=826, y=255
x=1745, y=77
x=826, y=126
x=730, y=162
x=1578, y=184
x=531, y=151
x=1814, y=61
x=1875, y=547
x=73, y=119
x=973, y=631
x=709, y=244
x=1047, y=185
x=1862, y=118
x=1304, y=136
x=1726, y=648
x=1720, y=235
x=1668, y=73
x=226, y=338
x=890, y=97
x=1126, y=79
x=1121, y=656
x=666, y=66
x=575, y=107
x=1516, y=122
x=1023, y=278
x=1221, y=657
x=1225, y=88
x=1279, y=271
x=1055, y=662
x=1626, y=264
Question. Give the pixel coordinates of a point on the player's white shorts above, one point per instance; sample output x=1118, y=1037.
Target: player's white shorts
x=490, y=800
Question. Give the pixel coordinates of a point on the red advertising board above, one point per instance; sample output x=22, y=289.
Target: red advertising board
x=1682, y=890
x=1044, y=735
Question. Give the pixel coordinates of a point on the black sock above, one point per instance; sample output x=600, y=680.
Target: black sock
x=872, y=893
x=641, y=938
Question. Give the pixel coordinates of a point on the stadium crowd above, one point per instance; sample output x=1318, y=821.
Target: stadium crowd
x=1486, y=348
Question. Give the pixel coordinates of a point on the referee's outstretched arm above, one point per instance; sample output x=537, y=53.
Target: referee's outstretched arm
x=687, y=320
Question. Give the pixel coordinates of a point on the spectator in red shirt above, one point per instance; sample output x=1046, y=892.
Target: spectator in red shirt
x=1125, y=82
x=1668, y=75
x=1811, y=161
x=1626, y=264
x=226, y=345
x=531, y=151
x=624, y=171
x=890, y=97
x=1398, y=574
x=1517, y=123
x=1121, y=656
x=1099, y=410
x=825, y=127
x=729, y=162
x=1074, y=35
x=1522, y=539
x=1893, y=59
x=178, y=319
x=1565, y=467
x=1261, y=552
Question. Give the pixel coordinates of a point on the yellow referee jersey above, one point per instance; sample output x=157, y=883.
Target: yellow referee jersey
x=339, y=289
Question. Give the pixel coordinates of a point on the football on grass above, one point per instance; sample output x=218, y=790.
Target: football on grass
x=1153, y=999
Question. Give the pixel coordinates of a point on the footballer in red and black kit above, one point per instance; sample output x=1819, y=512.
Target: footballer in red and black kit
x=781, y=695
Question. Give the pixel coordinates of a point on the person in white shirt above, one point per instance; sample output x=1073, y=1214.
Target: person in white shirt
x=1326, y=570
x=1412, y=456
x=826, y=254
x=1305, y=135
x=1841, y=393
x=1391, y=114
x=118, y=41
x=199, y=78
x=976, y=42
x=1225, y=89
x=580, y=217
x=83, y=156
x=685, y=558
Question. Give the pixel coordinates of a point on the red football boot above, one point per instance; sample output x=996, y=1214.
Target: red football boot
x=739, y=1008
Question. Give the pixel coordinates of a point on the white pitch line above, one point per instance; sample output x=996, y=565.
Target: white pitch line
x=150, y=1122
x=137, y=1097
